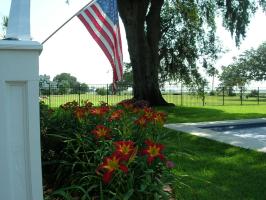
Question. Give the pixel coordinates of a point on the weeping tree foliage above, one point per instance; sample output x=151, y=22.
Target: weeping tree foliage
x=173, y=37
x=232, y=76
x=188, y=41
x=251, y=65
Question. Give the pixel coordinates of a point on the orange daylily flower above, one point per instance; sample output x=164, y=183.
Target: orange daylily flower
x=101, y=131
x=136, y=110
x=116, y=115
x=110, y=165
x=70, y=105
x=153, y=151
x=80, y=112
x=159, y=117
x=142, y=121
x=127, y=104
x=148, y=113
x=100, y=111
x=124, y=149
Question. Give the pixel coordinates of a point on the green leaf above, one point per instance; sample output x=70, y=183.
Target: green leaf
x=62, y=193
x=128, y=194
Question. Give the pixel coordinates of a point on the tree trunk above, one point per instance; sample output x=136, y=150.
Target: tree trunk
x=141, y=19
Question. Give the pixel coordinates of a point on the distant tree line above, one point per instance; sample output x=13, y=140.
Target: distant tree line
x=63, y=83
x=249, y=66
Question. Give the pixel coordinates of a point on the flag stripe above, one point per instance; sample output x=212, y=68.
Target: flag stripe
x=120, y=50
x=120, y=42
x=119, y=58
x=105, y=31
x=105, y=17
x=100, y=43
x=101, y=15
x=99, y=31
x=98, y=37
x=105, y=40
x=92, y=14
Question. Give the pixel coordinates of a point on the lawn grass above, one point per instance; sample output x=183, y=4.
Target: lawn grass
x=185, y=100
x=182, y=114
x=215, y=171
x=210, y=170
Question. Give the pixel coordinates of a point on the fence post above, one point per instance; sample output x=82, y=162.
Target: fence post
x=241, y=95
x=203, y=98
x=79, y=93
x=223, y=96
x=49, y=93
x=107, y=88
x=181, y=94
x=258, y=95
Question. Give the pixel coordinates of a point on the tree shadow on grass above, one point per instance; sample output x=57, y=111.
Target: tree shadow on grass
x=198, y=114
x=216, y=170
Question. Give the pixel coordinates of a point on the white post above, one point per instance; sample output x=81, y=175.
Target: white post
x=20, y=155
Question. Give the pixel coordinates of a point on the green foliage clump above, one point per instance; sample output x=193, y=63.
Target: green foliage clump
x=101, y=91
x=249, y=66
x=104, y=152
x=253, y=93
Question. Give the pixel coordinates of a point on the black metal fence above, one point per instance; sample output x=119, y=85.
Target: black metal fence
x=55, y=96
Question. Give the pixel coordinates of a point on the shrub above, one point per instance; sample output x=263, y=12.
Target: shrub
x=104, y=152
x=101, y=91
x=212, y=93
x=253, y=93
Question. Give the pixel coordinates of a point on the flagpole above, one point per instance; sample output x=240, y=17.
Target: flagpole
x=66, y=22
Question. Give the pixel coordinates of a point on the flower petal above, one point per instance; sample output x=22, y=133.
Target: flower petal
x=123, y=168
x=107, y=176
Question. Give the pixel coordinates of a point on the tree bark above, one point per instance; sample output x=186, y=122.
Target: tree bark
x=141, y=19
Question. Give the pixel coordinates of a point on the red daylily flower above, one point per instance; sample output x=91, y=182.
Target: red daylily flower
x=116, y=115
x=80, y=112
x=136, y=110
x=127, y=105
x=70, y=105
x=159, y=117
x=96, y=111
x=142, y=121
x=110, y=165
x=124, y=149
x=148, y=113
x=101, y=131
x=99, y=111
x=153, y=151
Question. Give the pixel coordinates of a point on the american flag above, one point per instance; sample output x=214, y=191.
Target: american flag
x=101, y=20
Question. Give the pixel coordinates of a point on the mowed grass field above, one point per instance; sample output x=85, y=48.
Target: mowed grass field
x=210, y=170
x=185, y=100
x=204, y=169
x=184, y=114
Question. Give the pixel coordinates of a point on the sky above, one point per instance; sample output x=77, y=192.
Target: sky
x=72, y=49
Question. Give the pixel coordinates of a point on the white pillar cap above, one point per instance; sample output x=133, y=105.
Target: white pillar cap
x=19, y=20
